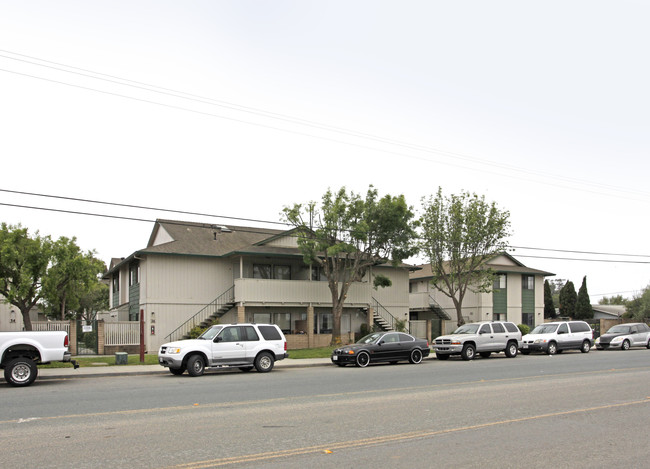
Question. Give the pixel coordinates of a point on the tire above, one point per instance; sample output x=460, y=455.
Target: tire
x=586, y=346
x=416, y=356
x=485, y=354
x=264, y=362
x=442, y=356
x=195, y=365
x=363, y=359
x=246, y=368
x=551, y=349
x=469, y=352
x=177, y=371
x=512, y=350
x=647, y=345
x=625, y=345
x=21, y=371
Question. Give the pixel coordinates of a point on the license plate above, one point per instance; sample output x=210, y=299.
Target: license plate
x=525, y=345
x=334, y=357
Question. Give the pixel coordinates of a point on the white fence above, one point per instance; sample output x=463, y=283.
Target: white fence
x=122, y=333
x=51, y=326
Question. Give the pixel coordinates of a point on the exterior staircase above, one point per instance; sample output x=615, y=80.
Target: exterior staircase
x=382, y=317
x=206, y=316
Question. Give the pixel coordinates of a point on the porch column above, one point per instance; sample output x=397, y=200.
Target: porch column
x=241, y=313
x=101, y=337
x=310, y=326
x=72, y=345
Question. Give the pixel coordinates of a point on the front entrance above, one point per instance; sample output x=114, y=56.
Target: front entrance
x=87, y=337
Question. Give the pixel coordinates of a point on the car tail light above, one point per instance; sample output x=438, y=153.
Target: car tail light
x=285, y=346
x=66, y=341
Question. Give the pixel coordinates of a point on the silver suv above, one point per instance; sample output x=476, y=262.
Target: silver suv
x=479, y=337
x=555, y=337
x=240, y=345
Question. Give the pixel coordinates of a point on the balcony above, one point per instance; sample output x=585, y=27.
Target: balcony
x=252, y=291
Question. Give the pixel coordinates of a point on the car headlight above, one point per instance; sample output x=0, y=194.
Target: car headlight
x=173, y=350
x=616, y=340
x=540, y=341
x=597, y=340
x=455, y=342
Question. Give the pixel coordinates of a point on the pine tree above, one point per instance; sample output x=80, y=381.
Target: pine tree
x=549, y=306
x=568, y=300
x=583, y=305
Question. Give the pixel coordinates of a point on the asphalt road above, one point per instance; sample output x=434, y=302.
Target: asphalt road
x=571, y=410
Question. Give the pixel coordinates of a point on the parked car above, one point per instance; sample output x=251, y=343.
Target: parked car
x=483, y=338
x=555, y=337
x=382, y=347
x=235, y=345
x=624, y=336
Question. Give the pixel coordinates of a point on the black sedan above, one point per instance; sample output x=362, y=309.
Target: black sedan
x=382, y=347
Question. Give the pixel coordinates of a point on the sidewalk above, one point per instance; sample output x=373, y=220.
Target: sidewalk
x=123, y=370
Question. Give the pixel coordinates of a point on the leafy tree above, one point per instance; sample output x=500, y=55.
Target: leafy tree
x=556, y=285
x=612, y=300
x=583, y=304
x=459, y=234
x=549, y=306
x=93, y=301
x=72, y=275
x=24, y=261
x=568, y=300
x=639, y=306
x=347, y=235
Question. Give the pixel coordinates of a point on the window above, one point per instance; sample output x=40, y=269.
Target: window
x=262, y=271
x=134, y=274
x=116, y=283
x=510, y=327
x=528, y=319
x=262, y=318
x=282, y=272
x=230, y=334
x=579, y=327
x=528, y=282
x=499, y=316
x=270, y=332
x=485, y=329
x=325, y=323
x=563, y=329
x=391, y=338
x=498, y=328
x=250, y=334
x=405, y=338
x=499, y=282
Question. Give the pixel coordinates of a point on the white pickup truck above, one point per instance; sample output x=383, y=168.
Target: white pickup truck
x=21, y=352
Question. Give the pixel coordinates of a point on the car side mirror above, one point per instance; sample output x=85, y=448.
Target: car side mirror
x=218, y=339
x=381, y=342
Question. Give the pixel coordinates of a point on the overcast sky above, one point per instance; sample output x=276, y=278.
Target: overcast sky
x=237, y=108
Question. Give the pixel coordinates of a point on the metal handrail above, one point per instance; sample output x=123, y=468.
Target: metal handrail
x=208, y=310
x=384, y=314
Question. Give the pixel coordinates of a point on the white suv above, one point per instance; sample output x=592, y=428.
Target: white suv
x=240, y=345
x=555, y=337
x=479, y=337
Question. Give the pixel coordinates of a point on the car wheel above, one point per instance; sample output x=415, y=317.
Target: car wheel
x=511, y=350
x=177, y=371
x=21, y=371
x=485, y=354
x=246, y=368
x=625, y=345
x=195, y=365
x=442, y=356
x=551, y=349
x=647, y=345
x=416, y=356
x=468, y=353
x=586, y=346
x=264, y=362
x=363, y=359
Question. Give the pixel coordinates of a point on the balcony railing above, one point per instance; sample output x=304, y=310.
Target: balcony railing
x=277, y=292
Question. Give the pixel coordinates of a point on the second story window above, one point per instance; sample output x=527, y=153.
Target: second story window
x=528, y=282
x=499, y=282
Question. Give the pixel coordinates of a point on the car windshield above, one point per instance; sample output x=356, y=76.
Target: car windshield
x=619, y=330
x=544, y=329
x=370, y=338
x=210, y=334
x=467, y=329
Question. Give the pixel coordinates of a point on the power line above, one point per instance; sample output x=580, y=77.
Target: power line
x=252, y=230
x=304, y=122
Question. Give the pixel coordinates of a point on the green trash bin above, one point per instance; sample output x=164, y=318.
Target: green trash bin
x=121, y=358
